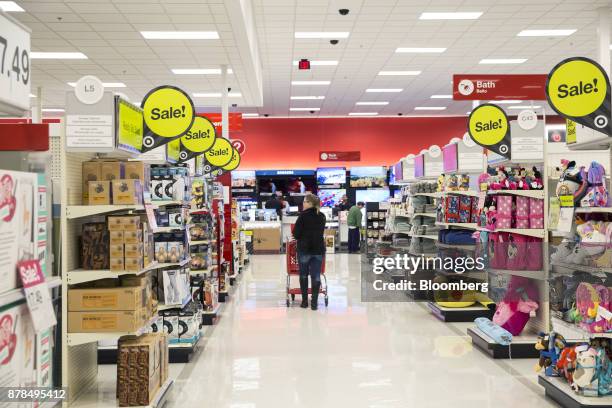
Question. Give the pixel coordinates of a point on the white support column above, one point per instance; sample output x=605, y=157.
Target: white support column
x=224, y=104
x=37, y=108
x=603, y=48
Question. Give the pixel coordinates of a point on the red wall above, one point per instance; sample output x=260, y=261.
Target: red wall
x=284, y=143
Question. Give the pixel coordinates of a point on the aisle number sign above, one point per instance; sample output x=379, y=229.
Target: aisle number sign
x=579, y=89
x=234, y=163
x=198, y=139
x=168, y=114
x=488, y=126
x=220, y=154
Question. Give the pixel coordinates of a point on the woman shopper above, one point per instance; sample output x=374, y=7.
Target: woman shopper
x=308, y=232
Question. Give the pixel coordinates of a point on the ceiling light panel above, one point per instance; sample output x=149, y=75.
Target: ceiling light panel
x=10, y=6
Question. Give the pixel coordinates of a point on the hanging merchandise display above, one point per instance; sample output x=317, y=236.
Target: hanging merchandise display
x=489, y=127
x=198, y=139
x=579, y=89
x=221, y=153
x=168, y=114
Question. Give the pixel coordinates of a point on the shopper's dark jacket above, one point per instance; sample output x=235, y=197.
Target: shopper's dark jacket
x=275, y=204
x=308, y=231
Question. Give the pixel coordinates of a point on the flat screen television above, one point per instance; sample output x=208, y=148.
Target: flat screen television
x=372, y=176
x=398, y=170
x=374, y=195
x=331, y=197
x=331, y=175
x=244, y=179
x=419, y=166
x=450, y=158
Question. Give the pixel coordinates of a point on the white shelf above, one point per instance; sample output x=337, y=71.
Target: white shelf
x=539, y=275
x=15, y=295
x=468, y=225
x=432, y=195
x=162, y=393
x=202, y=242
x=174, y=264
x=75, y=339
x=568, y=269
x=461, y=193
x=164, y=203
x=572, y=332
x=88, y=275
x=161, y=230
x=465, y=247
x=534, y=232
x=524, y=193
x=434, y=237
x=430, y=215
x=590, y=210
x=174, y=306
x=80, y=211
x=564, y=389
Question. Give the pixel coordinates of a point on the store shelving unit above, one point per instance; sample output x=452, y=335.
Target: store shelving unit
x=462, y=314
x=521, y=346
x=559, y=391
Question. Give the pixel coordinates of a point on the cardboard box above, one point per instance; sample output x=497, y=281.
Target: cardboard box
x=133, y=264
x=114, y=224
x=130, y=223
x=95, y=299
x=116, y=237
x=133, y=251
x=105, y=321
x=127, y=191
x=133, y=237
x=91, y=171
x=117, y=264
x=112, y=170
x=95, y=246
x=117, y=251
x=266, y=239
x=139, y=171
x=99, y=193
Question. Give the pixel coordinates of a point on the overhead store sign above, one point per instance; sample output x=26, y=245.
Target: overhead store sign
x=220, y=154
x=198, y=139
x=499, y=87
x=579, y=89
x=168, y=114
x=15, y=72
x=488, y=126
x=340, y=156
x=239, y=145
x=234, y=119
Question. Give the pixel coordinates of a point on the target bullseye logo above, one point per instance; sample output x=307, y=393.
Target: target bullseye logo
x=324, y=156
x=148, y=141
x=465, y=87
x=183, y=155
x=601, y=121
x=503, y=148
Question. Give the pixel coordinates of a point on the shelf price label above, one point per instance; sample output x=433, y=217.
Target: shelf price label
x=37, y=295
x=489, y=127
x=14, y=66
x=578, y=88
x=168, y=114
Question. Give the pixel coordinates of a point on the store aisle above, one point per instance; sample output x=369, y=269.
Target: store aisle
x=263, y=355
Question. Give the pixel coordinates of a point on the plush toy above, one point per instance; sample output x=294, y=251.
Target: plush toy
x=550, y=347
x=566, y=364
x=499, y=180
x=597, y=194
x=440, y=184
x=452, y=183
x=464, y=182
x=491, y=216
x=573, y=181
x=592, y=303
x=484, y=181
x=514, y=311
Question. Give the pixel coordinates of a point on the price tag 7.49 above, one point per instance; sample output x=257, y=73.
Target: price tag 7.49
x=14, y=66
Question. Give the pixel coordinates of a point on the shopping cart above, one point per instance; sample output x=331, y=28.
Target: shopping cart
x=293, y=268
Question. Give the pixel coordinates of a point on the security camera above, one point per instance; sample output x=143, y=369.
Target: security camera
x=312, y=111
x=266, y=115
x=234, y=105
x=229, y=89
x=343, y=12
x=333, y=42
x=400, y=114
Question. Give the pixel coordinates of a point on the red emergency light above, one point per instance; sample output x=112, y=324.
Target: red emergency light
x=304, y=64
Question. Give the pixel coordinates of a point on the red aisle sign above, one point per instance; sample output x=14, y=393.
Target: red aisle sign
x=235, y=121
x=239, y=145
x=340, y=156
x=499, y=87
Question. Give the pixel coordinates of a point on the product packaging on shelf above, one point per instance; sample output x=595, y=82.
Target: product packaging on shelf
x=127, y=191
x=106, y=321
x=99, y=193
x=117, y=298
x=95, y=253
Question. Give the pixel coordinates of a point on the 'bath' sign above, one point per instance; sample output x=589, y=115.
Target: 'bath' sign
x=579, y=89
x=489, y=127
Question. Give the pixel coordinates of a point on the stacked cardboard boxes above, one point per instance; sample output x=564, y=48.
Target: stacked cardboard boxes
x=142, y=368
x=108, y=182
x=131, y=245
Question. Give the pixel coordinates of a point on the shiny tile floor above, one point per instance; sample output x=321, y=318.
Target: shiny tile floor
x=352, y=354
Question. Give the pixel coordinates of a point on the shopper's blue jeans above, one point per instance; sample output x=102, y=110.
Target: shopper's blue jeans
x=310, y=265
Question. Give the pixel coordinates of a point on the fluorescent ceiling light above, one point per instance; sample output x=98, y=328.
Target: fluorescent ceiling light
x=611, y=46
x=506, y=102
x=250, y=115
x=372, y=103
x=32, y=95
x=310, y=82
x=384, y=90
x=441, y=96
x=432, y=108
x=524, y=107
x=420, y=50
x=216, y=94
x=199, y=71
x=53, y=110
x=502, y=60
x=363, y=113
x=398, y=73
x=307, y=98
x=319, y=63
x=105, y=84
x=546, y=33
x=304, y=109
x=10, y=6
x=322, y=34
x=180, y=35
x=57, y=55
x=460, y=15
